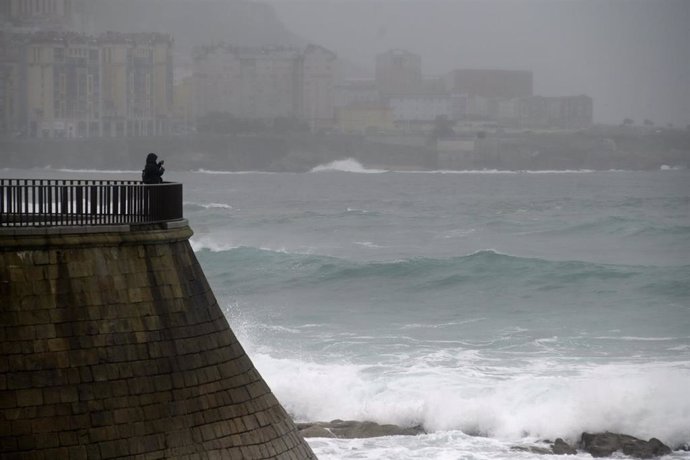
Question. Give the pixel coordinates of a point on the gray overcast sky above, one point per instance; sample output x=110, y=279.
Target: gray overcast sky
x=631, y=56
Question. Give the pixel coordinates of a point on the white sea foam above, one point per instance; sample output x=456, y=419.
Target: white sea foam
x=671, y=168
x=210, y=243
x=509, y=404
x=208, y=205
x=348, y=165
x=451, y=445
x=367, y=244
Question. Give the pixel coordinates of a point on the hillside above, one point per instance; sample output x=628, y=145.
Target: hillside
x=195, y=22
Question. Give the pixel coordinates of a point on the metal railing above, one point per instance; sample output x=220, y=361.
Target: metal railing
x=49, y=202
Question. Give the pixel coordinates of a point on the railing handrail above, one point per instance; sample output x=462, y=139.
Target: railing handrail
x=70, y=202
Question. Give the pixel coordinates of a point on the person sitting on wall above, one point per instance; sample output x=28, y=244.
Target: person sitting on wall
x=153, y=171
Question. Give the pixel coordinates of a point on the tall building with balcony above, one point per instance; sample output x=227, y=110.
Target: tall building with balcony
x=265, y=82
x=76, y=85
x=137, y=83
x=12, y=81
x=62, y=85
x=257, y=83
x=399, y=72
x=317, y=80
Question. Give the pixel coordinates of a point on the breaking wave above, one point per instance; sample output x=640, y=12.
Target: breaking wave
x=348, y=165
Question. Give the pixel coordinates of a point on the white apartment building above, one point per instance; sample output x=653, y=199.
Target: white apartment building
x=265, y=82
x=318, y=81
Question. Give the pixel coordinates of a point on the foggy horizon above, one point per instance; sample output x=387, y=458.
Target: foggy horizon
x=631, y=57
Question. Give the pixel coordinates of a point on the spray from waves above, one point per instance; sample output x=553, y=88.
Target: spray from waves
x=201, y=243
x=348, y=165
x=643, y=400
x=193, y=204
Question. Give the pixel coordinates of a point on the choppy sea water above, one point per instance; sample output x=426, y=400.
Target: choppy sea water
x=495, y=309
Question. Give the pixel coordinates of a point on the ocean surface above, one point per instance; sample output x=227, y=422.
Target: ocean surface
x=496, y=309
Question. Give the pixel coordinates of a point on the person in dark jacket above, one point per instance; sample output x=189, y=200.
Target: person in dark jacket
x=153, y=171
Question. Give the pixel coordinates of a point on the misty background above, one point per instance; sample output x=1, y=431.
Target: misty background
x=631, y=57
x=629, y=60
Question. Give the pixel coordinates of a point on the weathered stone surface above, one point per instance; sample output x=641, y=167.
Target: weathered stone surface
x=354, y=429
x=114, y=345
x=605, y=444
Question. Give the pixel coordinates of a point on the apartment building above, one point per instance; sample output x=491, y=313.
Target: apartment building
x=12, y=81
x=62, y=85
x=137, y=83
x=318, y=81
x=70, y=85
x=258, y=83
x=265, y=82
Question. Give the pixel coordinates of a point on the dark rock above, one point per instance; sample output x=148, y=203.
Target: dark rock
x=605, y=444
x=560, y=447
x=353, y=429
x=315, y=431
x=650, y=449
x=532, y=449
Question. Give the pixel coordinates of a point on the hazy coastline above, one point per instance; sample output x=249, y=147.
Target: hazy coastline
x=597, y=148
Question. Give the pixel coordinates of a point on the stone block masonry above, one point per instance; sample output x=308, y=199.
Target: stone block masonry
x=113, y=345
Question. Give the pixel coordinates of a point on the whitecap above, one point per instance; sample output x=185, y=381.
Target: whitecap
x=348, y=165
x=208, y=205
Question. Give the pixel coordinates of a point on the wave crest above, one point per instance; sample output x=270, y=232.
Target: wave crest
x=348, y=165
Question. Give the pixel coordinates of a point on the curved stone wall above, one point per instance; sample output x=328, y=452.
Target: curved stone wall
x=113, y=345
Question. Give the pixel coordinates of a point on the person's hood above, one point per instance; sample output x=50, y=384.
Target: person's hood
x=151, y=158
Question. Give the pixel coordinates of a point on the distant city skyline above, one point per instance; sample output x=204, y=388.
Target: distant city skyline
x=631, y=57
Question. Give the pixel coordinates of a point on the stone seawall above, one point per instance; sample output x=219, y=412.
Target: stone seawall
x=113, y=345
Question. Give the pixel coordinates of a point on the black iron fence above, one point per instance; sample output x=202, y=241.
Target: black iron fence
x=48, y=202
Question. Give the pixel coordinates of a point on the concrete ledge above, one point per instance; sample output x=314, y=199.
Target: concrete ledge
x=14, y=238
x=70, y=229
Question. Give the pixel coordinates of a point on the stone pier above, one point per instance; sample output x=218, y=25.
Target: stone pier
x=113, y=345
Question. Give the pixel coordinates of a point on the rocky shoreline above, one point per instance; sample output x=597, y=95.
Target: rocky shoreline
x=597, y=444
